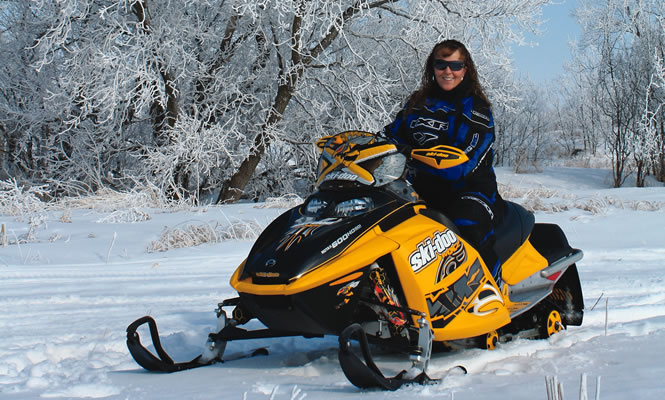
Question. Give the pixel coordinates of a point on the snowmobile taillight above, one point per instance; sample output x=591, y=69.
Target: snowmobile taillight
x=554, y=276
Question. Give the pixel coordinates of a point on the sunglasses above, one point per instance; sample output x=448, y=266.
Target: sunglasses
x=443, y=64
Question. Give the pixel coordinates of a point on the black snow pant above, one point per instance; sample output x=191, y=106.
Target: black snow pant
x=476, y=215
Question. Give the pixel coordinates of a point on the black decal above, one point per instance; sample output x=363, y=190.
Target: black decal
x=444, y=304
x=396, y=218
x=454, y=257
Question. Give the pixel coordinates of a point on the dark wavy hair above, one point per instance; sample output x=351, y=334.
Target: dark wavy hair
x=429, y=87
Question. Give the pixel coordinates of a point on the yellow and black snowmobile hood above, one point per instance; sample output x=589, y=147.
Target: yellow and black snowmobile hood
x=295, y=243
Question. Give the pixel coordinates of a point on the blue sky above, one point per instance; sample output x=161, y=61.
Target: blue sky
x=545, y=61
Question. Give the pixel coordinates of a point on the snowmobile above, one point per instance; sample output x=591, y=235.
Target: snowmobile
x=364, y=259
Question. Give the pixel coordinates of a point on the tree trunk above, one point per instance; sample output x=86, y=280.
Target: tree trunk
x=233, y=188
x=641, y=173
x=660, y=174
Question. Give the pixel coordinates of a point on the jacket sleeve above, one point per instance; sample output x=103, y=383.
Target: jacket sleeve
x=475, y=137
x=395, y=131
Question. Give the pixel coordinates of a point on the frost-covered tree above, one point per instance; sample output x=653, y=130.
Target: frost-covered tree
x=26, y=119
x=653, y=117
x=616, y=63
x=526, y=131
x=578, y=115
x=223, y=98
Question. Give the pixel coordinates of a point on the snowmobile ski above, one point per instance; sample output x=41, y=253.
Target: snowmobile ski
x=366, y=375
x=162, y=362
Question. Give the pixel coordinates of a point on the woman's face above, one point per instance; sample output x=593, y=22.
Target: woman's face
x=447, y=71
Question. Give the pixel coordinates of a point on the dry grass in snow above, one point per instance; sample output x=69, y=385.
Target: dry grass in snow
x=195, y=235
x=552, y=201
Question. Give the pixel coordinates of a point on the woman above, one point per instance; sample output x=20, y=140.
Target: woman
x=450, y=108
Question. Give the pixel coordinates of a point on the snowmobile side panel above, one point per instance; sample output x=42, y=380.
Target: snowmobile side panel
x=469, y=305
x=525, y=262
x=428, y=251
x=550, y=241
x=444, y=276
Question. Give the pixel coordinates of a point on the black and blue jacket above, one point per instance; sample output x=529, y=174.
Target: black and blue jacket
x=456, y=118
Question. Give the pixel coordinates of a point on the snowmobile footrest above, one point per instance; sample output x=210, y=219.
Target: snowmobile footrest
x=366, y=374
x=162, y=362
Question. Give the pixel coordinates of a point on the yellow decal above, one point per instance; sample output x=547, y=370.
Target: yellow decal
x=440, y=157
x=267, y=274
x=296, y=235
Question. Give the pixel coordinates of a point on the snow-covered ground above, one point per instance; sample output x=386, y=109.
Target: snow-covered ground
x=67, y=297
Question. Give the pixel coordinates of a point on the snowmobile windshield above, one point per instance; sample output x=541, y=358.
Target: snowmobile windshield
x=354, y=159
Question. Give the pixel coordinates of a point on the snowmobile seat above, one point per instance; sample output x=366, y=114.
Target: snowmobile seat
x=513, y=231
